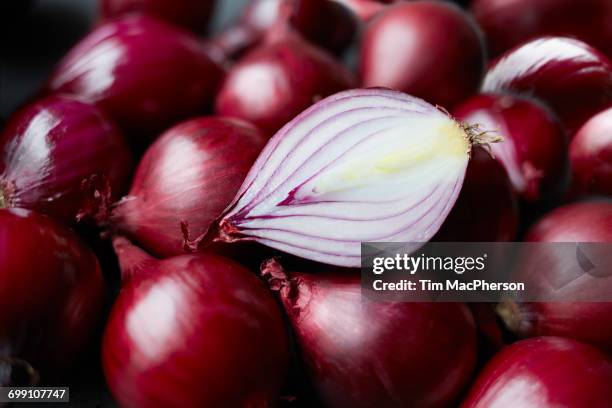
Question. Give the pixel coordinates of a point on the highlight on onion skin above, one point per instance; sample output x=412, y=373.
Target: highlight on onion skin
x=362, y=353
x=51, y=288
x=534, y=149
x=193, y=330
x=63, y=158
x=278, y=80
x=591, y=156
x=507, y=24
x=186, y=178
x=145, y=74
x=570, y=76
x=428, y=49
x=544, y=372
x=591, y=322
x=365, y=10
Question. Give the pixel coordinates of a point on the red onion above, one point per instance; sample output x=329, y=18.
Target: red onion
x=192, y=331
x=508, y=23
x=275, y=82
x=336, y=176
x=362, y=353
x=147, y=75
x=570, y=76
x=365, y=10
x=191, y=14
x=587, y=321
x=62, y=157
x=51, y=296
x=591, y=156
x=545, y=372
x=187, y=177
x=534, y=150
x=429, y=49
x=486, y=209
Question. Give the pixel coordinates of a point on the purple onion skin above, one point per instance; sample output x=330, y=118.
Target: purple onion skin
x=361, y=353
x=189, y=175
x=591, y=156
x=193, y=331
x=190, y=14
x=570, y=76
x=544, y=372
x=428, y=49
x=63, y=158
x=51, y=294
x=507, y=24
x=146, y=74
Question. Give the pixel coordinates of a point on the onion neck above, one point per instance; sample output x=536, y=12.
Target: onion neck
x=3, y=197
x=15, y=372
x=132, y=260
x=515, y=317
x=479, y=137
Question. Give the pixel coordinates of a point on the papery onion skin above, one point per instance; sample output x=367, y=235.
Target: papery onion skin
x=194, y=330
x=428, y=49
x=276, y=81
x=51, y=294
x=188, y=176
x=64, y=158
x=544, y=372
x=145, y=74
x=590, y=322
x=191, y=14
x=509, y=23
x=363, y=353
x=534, y=149
x=570, y=76
x=591, y=156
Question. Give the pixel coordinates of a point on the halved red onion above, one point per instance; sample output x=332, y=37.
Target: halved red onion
x=361, y=165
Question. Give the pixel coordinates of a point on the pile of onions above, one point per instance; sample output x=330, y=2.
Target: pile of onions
x=186, y=178
x=146, y=74
x=192, y=331
x=546, y=372
x=591, y=156
x=362, y=165
x=51, y=297
x=534, y=150
x=570, y=76
x=586, y=321
x=278, y=80
x=429, y=49
x=64, y=158
x=363, y=353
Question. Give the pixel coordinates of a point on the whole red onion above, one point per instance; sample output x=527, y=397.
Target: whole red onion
x=194, y=330
x=51, y=297
x=544, y=372
x=191, y=14
x=428, y=49
x=144, y=73
x=591, y=156
x=570, y=76
x=276, y=81
x=362, y=353
x=64, y=158
x=534, y=149
x=187, y=177
x=508, y=23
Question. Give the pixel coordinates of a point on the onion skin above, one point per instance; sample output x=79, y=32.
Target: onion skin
x=189, y=175
x=591, y=156
x=365, y=10
x=190, y=14
x=509, y=23
x=428, y=49
x=63, y=158
x=570, y=76
x=51, y=294
x=534, y=149
x=276, y=81
x=146, y=75
x=194, y=330
x=544, y=372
